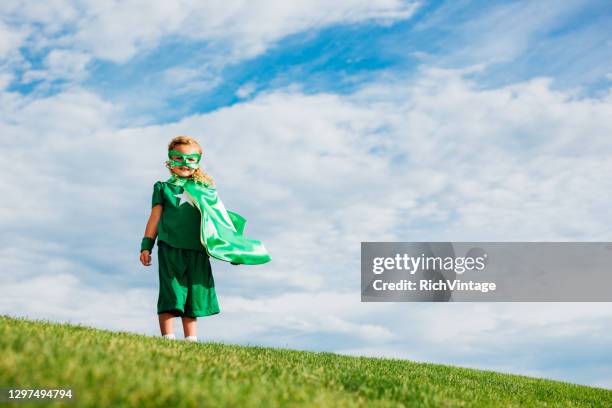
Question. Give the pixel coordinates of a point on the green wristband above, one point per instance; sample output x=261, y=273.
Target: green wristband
x=147, y=244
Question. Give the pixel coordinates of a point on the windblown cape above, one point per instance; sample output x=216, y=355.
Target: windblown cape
x=221, y=230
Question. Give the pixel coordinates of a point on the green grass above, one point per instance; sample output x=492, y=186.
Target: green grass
x=114, y=369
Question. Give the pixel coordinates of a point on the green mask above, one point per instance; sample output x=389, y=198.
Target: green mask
x=187, y=160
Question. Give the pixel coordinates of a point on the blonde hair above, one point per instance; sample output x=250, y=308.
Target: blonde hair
x=198, y=174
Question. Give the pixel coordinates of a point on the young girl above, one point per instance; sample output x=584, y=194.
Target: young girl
x=191, y=225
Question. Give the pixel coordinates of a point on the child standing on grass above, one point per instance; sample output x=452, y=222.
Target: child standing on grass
x=191, y=224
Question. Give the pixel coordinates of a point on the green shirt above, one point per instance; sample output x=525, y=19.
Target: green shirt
x=179, y=225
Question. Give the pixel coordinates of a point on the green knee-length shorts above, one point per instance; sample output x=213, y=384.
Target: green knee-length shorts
x=186, y=284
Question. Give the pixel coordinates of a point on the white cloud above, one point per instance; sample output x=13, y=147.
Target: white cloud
x=185, y=80
x=245, y=90
x=5, y=80
x=51, y=15
x=70, y=115
x=10, y=39
x=117, y=31
x=491, y=34
x=61, y=64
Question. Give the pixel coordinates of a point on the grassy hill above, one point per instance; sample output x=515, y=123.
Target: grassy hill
x=116, y=369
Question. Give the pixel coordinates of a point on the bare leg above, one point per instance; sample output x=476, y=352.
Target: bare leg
x=189, y=326
x=165, y=323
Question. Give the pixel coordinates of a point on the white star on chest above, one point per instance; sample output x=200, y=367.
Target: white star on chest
x=184, y=198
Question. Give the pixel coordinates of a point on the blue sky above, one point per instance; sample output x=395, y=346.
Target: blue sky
x=325, y=124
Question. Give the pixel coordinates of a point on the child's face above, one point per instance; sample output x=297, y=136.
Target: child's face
x=183, y=171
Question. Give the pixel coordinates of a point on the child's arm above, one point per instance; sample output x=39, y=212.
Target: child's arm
x=151, y=232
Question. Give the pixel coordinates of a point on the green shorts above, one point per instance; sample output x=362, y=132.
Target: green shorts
x=186, y=284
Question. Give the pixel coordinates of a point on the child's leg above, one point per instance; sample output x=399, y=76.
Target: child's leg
x=165, y=323
x=189, y=326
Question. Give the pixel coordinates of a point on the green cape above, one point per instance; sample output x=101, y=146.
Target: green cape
x=220, y=229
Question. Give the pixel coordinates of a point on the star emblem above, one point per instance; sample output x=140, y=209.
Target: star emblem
x=184, y=198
